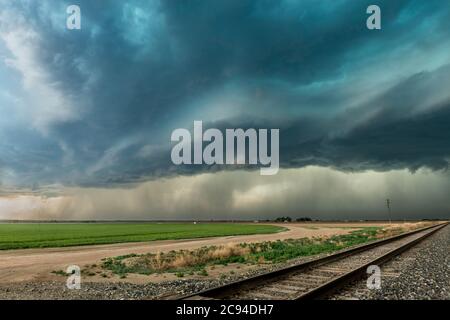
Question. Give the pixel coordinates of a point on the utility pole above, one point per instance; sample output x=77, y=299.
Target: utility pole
x=388, y=204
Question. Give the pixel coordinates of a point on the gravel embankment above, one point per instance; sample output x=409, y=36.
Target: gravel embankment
x=95, y=291
x=57, y=290
x=421, y=273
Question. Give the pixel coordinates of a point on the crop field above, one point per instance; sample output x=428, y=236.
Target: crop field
x=42, y=235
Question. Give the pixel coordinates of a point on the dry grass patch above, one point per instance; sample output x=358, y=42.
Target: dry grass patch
x=393, y=230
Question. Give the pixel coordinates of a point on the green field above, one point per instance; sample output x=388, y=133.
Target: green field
x=41, y=235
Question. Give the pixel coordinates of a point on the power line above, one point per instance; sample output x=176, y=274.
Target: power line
x=388, y=204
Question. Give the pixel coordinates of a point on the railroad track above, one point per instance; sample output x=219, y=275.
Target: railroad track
x=317, y=278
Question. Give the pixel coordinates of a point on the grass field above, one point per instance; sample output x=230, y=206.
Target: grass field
x=20, y=236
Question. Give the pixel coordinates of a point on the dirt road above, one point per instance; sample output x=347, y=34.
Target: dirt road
x=37, y=264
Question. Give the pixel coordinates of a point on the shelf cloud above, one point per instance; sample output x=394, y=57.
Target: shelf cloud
x=92, y=110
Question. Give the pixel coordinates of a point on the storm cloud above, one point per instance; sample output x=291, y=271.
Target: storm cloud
x=95, y=107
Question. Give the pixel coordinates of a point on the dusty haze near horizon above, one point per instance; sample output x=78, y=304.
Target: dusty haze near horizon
x=247, y=195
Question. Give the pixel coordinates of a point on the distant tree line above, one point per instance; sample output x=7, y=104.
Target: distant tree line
x=289, y=219
x=303, y=219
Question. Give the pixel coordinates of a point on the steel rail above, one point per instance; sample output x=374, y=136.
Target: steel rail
x=335, y=283
x=357, y=273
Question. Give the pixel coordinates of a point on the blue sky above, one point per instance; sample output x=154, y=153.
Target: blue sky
x=93, y=109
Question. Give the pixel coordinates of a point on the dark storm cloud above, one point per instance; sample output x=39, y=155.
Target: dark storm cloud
x=404, y=132
x=139, y=69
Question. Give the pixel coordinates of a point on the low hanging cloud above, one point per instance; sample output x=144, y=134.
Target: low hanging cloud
x=316, y=192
